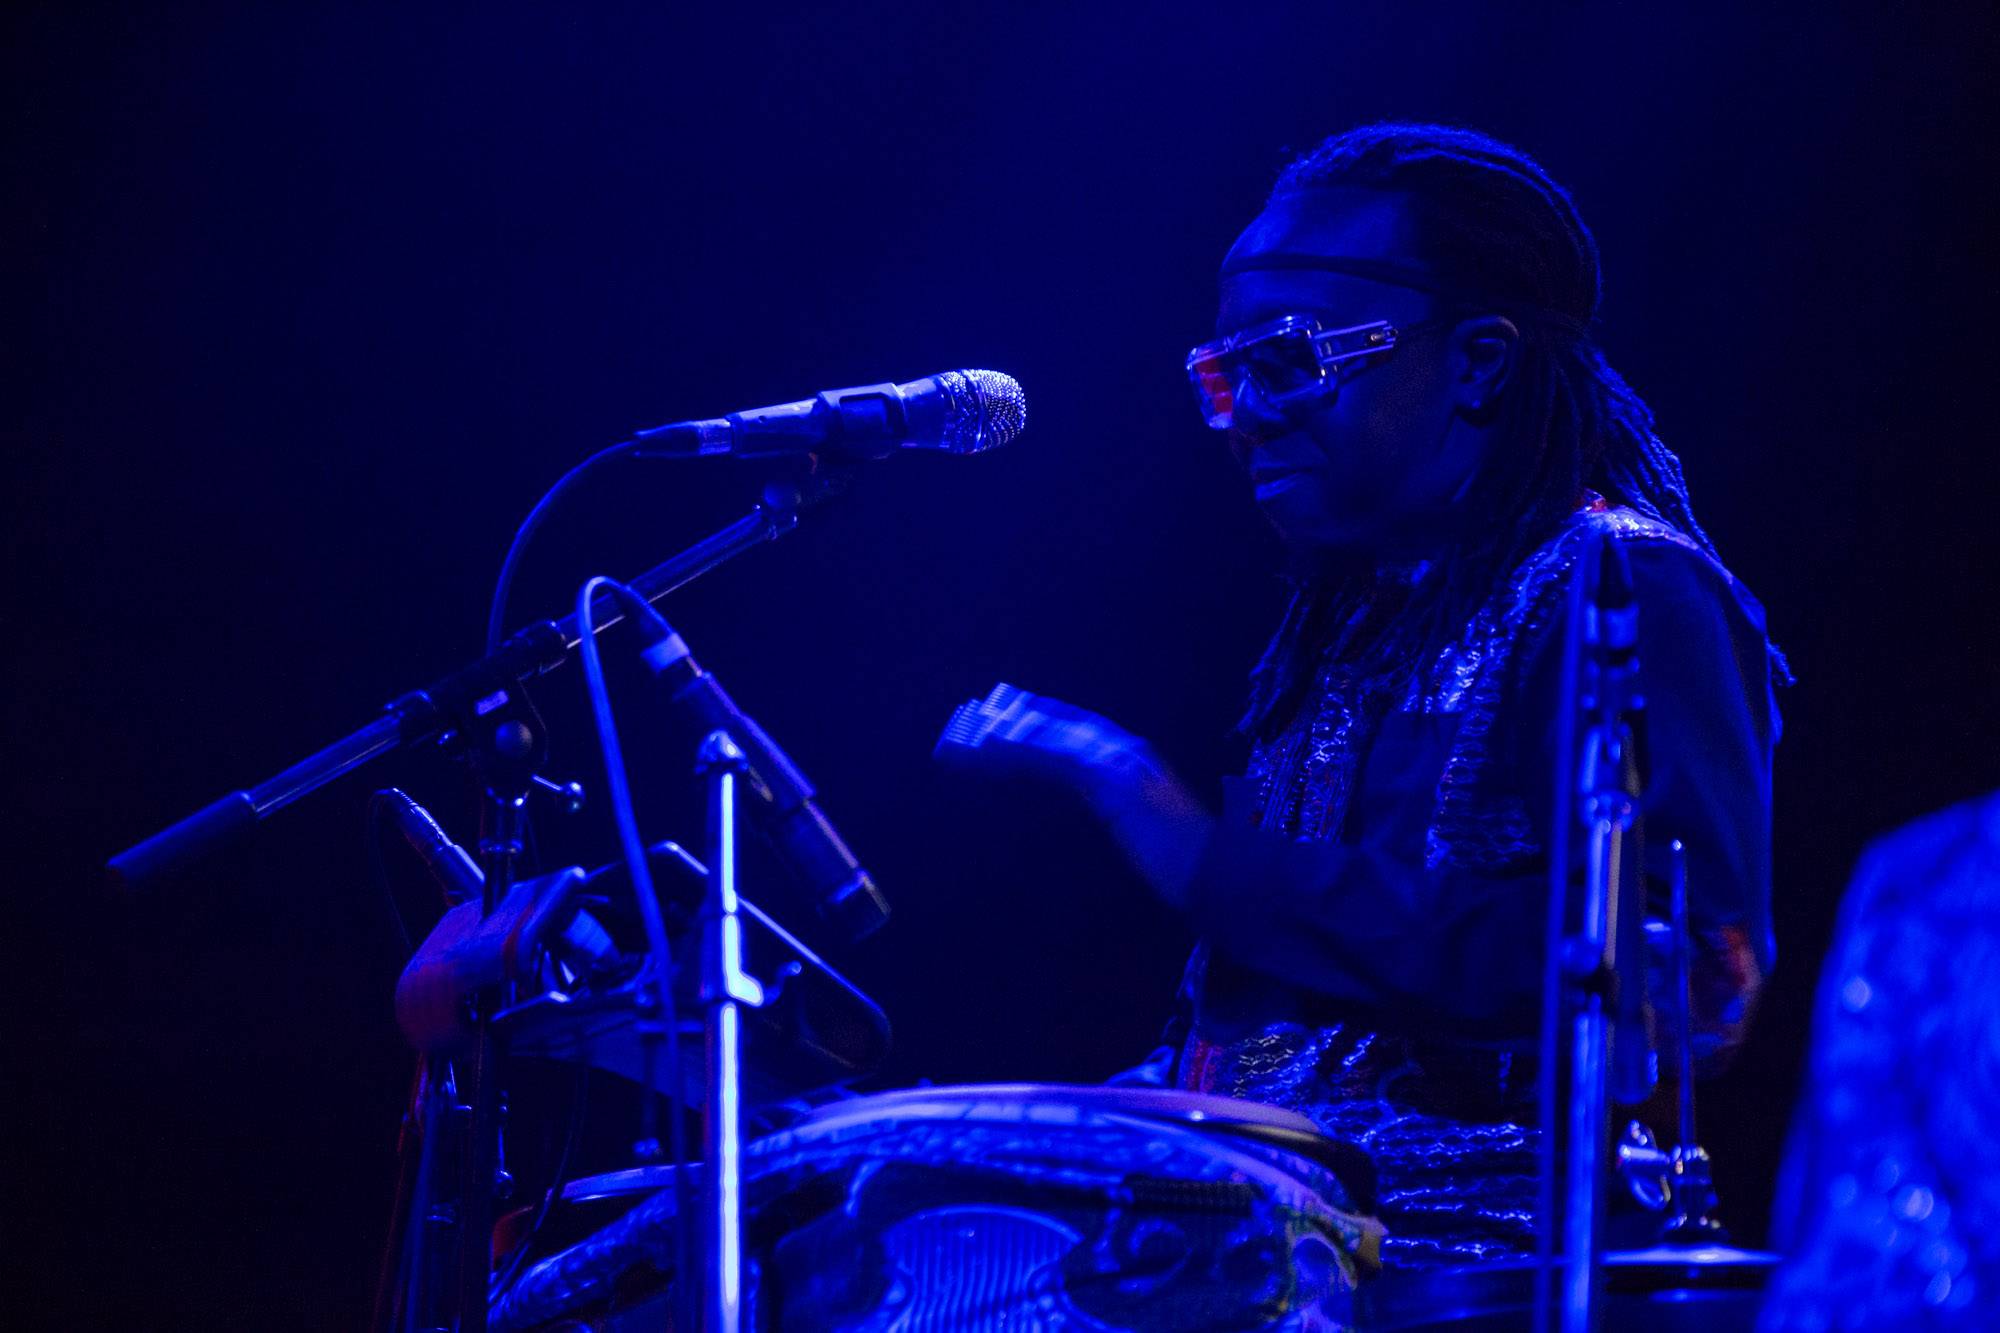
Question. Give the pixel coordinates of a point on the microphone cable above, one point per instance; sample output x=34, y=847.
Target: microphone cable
x=503, y=1281
x=496, y=624
x=618, y=784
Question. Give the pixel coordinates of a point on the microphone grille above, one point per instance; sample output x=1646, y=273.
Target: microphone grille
x=984, y=409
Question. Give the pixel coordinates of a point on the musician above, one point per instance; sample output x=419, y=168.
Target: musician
x=1405, y=369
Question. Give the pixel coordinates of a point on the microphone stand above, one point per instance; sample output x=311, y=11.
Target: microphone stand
x=458, y=704
x=513, y=747
x=485, y=702
x=725, y=988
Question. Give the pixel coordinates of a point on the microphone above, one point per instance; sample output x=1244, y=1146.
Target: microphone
x=957, y=412
x=450, y=865
x=581, y=943
x=842, y=892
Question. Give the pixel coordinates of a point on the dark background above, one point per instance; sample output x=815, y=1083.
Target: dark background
x=319, y=300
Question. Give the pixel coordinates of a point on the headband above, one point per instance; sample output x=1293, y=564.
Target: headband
x=1394, y=274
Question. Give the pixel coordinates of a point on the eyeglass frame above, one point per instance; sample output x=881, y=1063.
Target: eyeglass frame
x=1376, y=336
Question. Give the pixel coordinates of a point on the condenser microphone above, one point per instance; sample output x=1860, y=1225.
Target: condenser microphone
x=958, y=412
x=843, y=894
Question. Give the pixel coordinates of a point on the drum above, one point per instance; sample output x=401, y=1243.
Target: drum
x=1706, y=1289
x=1009, y=1207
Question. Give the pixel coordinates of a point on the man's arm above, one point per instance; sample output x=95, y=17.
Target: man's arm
x=1444, y=945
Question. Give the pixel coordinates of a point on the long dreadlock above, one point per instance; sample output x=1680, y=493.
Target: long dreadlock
x=1499, y=232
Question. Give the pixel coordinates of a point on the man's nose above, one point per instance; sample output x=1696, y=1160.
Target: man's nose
x=1253, y=418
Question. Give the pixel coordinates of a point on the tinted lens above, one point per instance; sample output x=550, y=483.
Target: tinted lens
x=1280, y=364
x=1214, y=390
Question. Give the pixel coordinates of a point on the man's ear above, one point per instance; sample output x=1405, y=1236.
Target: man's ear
x=1486, y=355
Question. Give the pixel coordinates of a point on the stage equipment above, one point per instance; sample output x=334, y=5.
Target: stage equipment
x=1594, y=1021
x=571, y=941
x=1011, y=1206
x=1691, y=1281
x=467, y=708
x=958, y=412
x=841, y=891
x=1691, y=1201
x=482, y=714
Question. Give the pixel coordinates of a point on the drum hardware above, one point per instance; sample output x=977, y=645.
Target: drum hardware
x=1692, y=1220
x=557, y=927
x=568, y=940
x=1594, y=988
x=1593, y=999
x=570, y=797
x=571, y=939
x=1646, y=1171
x=1677, y=1183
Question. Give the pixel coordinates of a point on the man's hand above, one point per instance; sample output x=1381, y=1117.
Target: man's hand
x=1160, y=826
x=1013, y=731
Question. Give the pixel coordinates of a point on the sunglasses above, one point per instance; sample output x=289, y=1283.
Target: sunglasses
x=1290, y=360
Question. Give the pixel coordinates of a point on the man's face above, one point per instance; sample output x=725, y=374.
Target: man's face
x=1376, y=465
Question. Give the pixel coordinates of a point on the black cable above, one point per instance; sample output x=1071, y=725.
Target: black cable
x=571, y=1133
x=418, y=1277
x=496, y=623
x=660, y=961
x=387, y=1307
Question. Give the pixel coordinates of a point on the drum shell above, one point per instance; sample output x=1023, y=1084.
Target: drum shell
x=1007, y=1208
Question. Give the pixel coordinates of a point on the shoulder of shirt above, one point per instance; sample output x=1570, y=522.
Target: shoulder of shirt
x=1676, y=576
x=1659, y=549
x=1670, y=568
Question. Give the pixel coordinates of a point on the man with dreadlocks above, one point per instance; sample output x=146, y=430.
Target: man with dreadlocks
x=1406, y=373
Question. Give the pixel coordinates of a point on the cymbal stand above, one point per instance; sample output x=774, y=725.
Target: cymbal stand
x=1691, y=1216
x=1596, y=964
x=1609, y=792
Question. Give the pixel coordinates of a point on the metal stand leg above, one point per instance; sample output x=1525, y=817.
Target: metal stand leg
x=724, y=988
x=1608, y=813
x=499, y=849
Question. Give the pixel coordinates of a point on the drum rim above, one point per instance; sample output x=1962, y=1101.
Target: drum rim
x=1224, y=1114
x=1168, y=1104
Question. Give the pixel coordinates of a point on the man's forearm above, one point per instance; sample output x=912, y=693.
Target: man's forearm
x=1158, y=823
